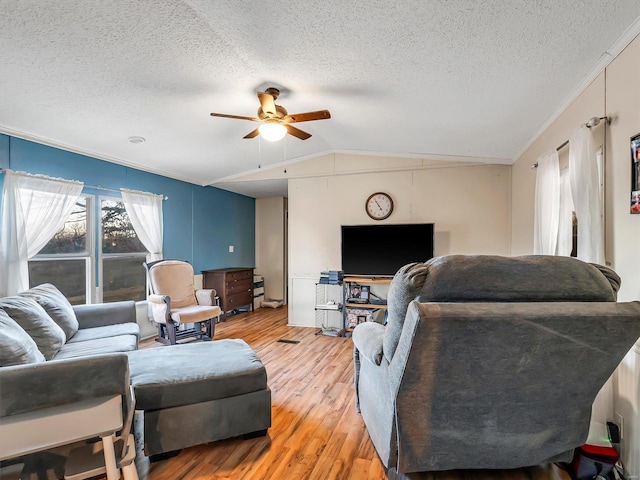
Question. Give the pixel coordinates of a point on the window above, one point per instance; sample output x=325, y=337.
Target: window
x=123, y=276
x=68, y=260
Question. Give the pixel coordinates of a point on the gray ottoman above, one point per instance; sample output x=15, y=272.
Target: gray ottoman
x=199, y=392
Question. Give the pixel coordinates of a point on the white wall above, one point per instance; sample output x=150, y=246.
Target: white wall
x=589, y=104
x=616, y=94
x=468, y=204
x=270, y=245
x=623, y=230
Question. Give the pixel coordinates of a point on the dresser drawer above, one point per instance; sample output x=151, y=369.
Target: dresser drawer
x=234, y=286
x=243, y=275
x=238, y=300
x=238, y=286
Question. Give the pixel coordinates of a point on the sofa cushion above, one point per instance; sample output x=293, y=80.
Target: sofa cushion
x=106, y=331
x=49, y=337
x=176, y=375
x=16, y=346
x=114, y=344
x=56, y=305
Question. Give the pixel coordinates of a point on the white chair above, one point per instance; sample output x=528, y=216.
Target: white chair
x=51, y=427
x=175, y=302
x=89, y=460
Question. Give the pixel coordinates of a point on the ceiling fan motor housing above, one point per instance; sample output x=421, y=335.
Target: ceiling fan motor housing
x=270, y=113
x=281, y=112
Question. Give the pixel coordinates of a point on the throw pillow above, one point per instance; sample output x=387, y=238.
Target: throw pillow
x=16, y=346
x=56, y=305
x=49, y=337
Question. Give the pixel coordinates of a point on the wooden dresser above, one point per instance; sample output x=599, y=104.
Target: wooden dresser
x=234, y=286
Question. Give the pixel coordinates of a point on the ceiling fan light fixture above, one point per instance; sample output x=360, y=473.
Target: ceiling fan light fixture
x=272, y=132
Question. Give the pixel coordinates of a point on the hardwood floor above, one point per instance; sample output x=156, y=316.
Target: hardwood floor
x=316, y=432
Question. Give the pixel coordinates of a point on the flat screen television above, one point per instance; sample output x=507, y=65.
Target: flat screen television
x=380, y=250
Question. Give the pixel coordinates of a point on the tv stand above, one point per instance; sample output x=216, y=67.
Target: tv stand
x=348, y=282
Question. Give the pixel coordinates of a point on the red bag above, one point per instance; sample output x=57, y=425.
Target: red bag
x=591, y=461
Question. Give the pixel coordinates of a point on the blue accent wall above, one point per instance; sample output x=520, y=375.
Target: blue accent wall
x=199, y=222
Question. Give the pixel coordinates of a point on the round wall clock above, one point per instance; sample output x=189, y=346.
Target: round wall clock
x=379, y=205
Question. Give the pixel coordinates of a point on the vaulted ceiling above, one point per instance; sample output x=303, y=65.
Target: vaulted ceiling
x=425, y=77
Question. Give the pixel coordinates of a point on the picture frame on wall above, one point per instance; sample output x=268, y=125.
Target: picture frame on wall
x=635, y=174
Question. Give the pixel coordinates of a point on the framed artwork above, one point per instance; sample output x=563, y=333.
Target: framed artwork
x=356, y=316
x=359, y=292
x=635, y=174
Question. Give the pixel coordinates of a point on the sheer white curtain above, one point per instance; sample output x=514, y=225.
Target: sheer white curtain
x=547, y=204
x=145, y=213
x=565, y=225
x=34, y=208
x=585, y=191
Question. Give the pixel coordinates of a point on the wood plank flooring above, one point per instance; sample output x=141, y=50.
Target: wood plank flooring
x=316, y=432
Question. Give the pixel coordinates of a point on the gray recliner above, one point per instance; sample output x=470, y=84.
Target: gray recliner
x=489, y=362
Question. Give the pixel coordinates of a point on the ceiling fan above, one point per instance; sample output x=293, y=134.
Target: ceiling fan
x=276, y=122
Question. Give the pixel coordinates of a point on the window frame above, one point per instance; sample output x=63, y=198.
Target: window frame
x=100, y=256
x=88, y=255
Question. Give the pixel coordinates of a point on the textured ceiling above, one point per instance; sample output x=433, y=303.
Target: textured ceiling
x=442, y=77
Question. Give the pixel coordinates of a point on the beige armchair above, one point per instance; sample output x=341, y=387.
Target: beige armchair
x=175, y=303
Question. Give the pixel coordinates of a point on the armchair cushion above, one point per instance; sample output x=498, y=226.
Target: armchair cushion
x=16, y=346
x=56, y=305
x=367, y=338
x=174, y=279
x=49, y=337
x=194, y=313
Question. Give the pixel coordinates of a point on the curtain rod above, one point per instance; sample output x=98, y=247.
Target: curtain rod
x=593, y=121
x=96, y=187
x=107, y=189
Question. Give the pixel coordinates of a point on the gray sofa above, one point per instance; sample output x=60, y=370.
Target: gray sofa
x=41, y=326
x=57, y=358
x=53, y=354
x=489, y=362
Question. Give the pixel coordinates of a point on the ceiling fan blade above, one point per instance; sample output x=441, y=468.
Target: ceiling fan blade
x=252, y=134
x=239, y=117
x=296, y=132
x=267, y=102
x=308, y=116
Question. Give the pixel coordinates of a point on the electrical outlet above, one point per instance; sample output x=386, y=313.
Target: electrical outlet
x=620, y=422
x=230, y=248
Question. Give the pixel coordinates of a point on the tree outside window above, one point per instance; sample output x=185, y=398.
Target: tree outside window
x=65, y=261
x=123, y=255
x=68, y=260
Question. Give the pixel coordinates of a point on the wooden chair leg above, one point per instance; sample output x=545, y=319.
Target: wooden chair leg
x=129, y=472
x=113, y=472
x=171, y=331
